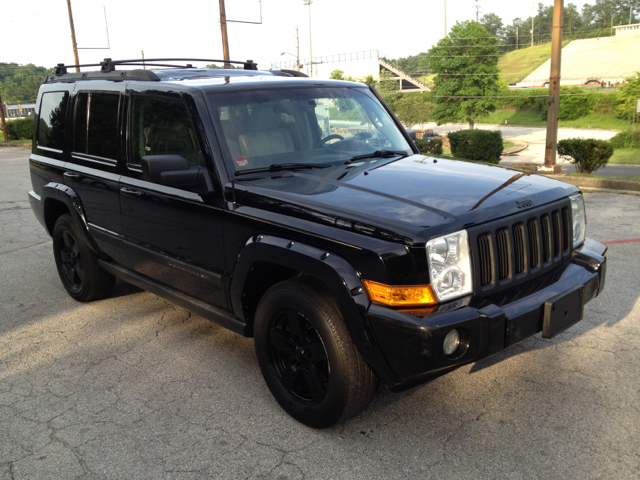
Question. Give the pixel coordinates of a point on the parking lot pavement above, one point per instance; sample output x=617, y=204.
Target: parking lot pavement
x=133, y=387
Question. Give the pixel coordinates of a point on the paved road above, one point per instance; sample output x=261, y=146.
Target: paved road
x=132, y=387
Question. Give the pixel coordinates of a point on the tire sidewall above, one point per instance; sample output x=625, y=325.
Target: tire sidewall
x=65, y=224
x=330, y=409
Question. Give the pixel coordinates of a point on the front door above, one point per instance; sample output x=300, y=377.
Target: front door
x=171, y=235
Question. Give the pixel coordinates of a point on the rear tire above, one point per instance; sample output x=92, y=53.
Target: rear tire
x=77, y=265
x=307, y=357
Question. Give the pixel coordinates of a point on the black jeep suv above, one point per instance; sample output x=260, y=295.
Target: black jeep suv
x=299, y=211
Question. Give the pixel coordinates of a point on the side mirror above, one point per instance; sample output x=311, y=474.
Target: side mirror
x=411, y=133
x=174, y=171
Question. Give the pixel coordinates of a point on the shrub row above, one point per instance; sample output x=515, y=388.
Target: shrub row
x=20, y=129
x=587, y=154
x=429, y=146
x=479, y=145
x=623, y=140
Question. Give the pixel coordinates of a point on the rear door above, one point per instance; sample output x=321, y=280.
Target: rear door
x=171, y=235
x=92, y=170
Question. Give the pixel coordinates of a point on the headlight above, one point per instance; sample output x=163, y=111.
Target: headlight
x=579, y=218
x=450, y=265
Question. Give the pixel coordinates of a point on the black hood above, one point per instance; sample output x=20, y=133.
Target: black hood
x=412, y=199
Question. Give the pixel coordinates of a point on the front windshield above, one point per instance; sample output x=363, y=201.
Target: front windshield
x=311, y=127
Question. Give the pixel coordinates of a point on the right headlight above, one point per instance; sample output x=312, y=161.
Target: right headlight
x=450, y=265
x=579, y=218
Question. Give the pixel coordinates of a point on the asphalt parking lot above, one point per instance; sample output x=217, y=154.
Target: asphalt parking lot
x=133, y=387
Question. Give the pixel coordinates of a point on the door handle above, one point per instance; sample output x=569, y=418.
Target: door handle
x=71, y=176
x=131, y=191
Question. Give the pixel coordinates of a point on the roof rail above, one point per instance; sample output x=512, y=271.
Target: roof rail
x=109, y=65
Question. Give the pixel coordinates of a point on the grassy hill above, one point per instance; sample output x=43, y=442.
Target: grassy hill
x=516, y=65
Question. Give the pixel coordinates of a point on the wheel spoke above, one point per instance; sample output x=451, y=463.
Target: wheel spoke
x=318, y=353
x=280, y=340
x=76, y=249
x=296, y=324
x=289, y=376
x=64, y=256
x=68, y=241
x=314, y=382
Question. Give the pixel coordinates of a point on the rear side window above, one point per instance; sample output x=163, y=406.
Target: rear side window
x=162, y=126
x=96, y=124
x=53, y=112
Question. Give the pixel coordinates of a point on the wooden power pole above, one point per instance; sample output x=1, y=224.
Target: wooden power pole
x=73, y=36
x=551, y=146
x=4, y=124
x=225, y=39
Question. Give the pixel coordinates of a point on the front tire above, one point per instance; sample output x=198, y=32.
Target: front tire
x=77, y=265
x=307, y=357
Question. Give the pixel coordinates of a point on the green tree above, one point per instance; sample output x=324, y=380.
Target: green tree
x=627, y=95
x=337, y=74
x=20, y=83
x=466, y=64
x=492, y=23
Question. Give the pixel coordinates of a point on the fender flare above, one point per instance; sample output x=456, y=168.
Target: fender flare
x=333, y=271
x=66, y=195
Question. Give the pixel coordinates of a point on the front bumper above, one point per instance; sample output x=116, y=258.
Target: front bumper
x=412, y=344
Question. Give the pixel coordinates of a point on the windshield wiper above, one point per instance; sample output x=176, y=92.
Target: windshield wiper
x=376, y=154
x=278, y=167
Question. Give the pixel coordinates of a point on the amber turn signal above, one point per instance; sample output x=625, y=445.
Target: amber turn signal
x=400, y=295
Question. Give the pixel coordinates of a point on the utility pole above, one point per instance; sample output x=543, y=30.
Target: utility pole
x=143, y=65
x=225, y=39
x=477, y=8
x=308, y=3
x=517, y=39
x=532, y=23
x=298, y=66
x=73, y=37
x=551, y=146
x=445, y=18
x=4, y=124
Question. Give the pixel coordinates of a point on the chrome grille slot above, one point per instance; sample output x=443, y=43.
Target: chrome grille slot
x=518, y=250
x=566, y=233
x=557, y=233
x=502, y=239
x=546, y=238
x=484, y=246
x=534, y=242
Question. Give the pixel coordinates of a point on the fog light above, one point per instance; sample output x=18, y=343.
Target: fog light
x=451, y=342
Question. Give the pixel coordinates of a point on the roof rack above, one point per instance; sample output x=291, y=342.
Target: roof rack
x=108, y=65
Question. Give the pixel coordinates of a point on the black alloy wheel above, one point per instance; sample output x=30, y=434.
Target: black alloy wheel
x=299, y=357
x=77, y=264
x=72, y=271
x=307, y=357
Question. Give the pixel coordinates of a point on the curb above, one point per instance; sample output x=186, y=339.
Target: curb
x=9, y=145
x=599, y=183
x=518, y=146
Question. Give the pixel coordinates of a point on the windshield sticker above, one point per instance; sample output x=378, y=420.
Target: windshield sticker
x=241, y=162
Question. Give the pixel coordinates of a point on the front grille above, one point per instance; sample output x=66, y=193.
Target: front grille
x=516, y=249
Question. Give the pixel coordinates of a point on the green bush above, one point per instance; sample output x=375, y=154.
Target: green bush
x=479, y=145
x=623, y=140
x=429, y=146
x=21, y=128
x=587, y=154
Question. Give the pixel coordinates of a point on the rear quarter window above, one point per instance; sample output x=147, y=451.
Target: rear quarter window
x=51, y=120
x=96, y=124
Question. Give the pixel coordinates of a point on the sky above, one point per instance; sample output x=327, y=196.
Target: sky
x=191, y=28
